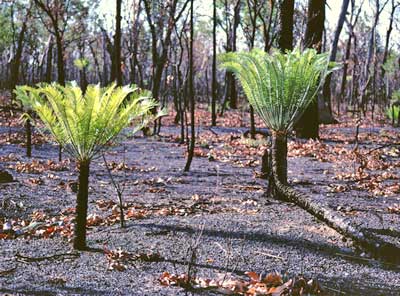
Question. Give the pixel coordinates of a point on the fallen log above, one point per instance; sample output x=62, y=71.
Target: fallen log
x=366, y=240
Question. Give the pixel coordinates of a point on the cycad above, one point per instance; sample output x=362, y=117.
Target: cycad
x=84, y=123
x=279, y=86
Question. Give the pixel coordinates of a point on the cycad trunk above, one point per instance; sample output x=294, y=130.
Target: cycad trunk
x=81, y=206
x=28, y=129
x=279, y=156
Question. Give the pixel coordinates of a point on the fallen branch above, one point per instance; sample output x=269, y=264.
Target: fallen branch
x=271, y=256
x=381, y=147
x=8, y=271
x=63, y=256
x=387, y=231
x=366, y=240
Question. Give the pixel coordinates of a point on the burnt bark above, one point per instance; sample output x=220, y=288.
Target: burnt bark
x=214, y=68
x=332, y=57
x=285, y=37
x=191, y=95
x=60, y=59
x=232, y=82
x=386, y=49
x=160, y=57
x=367, y=78
x=308, y=125
x=81, y=206
x=49, y=61
x=116, y=58
x=17, y=58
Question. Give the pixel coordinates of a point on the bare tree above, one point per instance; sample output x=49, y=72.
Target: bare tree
x=366, y=78
x=332, y=58
x=161, y=37
x=394, y=6
x=191, y=95
x=116, y=73
x=56, y=12
x=214, y=84
x=16, y=60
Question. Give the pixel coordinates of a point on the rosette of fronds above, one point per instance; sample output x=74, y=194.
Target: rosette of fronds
x=81, y=63
x=84, y=123
x=279, y=86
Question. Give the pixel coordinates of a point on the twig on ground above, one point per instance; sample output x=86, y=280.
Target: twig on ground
x=192, y=254
x=381, y=147
x=271, y=256
x=8, y=271
x=355, y=257
x=334, y=290
x=63, y=256
x=211, y=130
x=118, y=189
x=220, y=246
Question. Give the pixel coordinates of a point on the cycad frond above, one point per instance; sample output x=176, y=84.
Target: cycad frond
x=84, y=123
x=279, y=86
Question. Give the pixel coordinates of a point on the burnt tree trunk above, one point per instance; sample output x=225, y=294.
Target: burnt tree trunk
x=18, y=55
x=332, y=57
x=191, y=95
x=49, y=61
x=232, y=84
x=344, y=74
x=214, y=68
x=384, y=90
x=308, y=126
x=81, y=206
x=60, y=59
x=96, y=63
x=285, y=36
x=116, y=58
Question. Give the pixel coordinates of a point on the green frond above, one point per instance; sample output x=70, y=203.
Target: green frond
x=279, y=86
x=84, y=123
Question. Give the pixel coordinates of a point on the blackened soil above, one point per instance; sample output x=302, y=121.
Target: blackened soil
x=243, y=229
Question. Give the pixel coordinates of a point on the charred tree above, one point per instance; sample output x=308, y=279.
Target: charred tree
x=116, y=57
x=332, y=57
x=367, y=78
x=163, y=37
x=214, y=68
x=308, y=125
x=16, y=61
x=191, y=95
x=49, y=61
x=394, y=6
x=285, y=35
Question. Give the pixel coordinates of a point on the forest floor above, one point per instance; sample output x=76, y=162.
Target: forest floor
x=220, y=204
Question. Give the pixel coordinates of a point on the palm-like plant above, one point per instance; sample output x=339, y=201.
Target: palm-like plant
x=279, y=86
x=84, y=123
